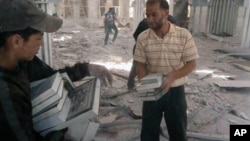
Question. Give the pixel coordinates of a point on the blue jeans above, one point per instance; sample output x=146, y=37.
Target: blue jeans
x=108, y=28
x=173, y=106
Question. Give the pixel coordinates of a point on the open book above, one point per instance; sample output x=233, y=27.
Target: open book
x=84, y=104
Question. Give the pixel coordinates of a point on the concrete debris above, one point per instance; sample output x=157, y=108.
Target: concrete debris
x=120, y=109
x=107, y=119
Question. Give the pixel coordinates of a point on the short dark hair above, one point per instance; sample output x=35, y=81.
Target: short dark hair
x=163, y=3
x=25, y=33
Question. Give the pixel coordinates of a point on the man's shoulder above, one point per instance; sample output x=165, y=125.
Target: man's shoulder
x=182, y=31
x=144, y=35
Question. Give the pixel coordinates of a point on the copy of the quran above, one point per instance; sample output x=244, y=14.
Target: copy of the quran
x=55, y=119
x=49, y=102
x=149, y=88
x=52, y=109
x=43, y=89
x=84, y=104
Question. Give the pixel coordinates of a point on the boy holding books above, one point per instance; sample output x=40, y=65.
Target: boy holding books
x=21, y=34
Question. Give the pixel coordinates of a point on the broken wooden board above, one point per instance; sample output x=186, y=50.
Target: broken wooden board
x=244, y=65
x=233, y=84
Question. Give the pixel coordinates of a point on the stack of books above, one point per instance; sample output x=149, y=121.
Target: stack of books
x=149, y=88
x=49, y=102
x=58, y=103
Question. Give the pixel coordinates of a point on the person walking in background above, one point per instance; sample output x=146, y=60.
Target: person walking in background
x=109, y=24
x=142, y=26
x=169, y=49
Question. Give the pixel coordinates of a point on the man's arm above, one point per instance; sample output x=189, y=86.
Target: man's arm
x=117, y=20
x=104, y=21
x=173, y=75
x=37, y=70
x=141, y=70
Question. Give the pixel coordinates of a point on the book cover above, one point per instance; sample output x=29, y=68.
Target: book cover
x=45, y=89
x=51, y=101
x=152, y=96
x=55, y=119
x=68, y=84
x=84, y=104
x=55, y=108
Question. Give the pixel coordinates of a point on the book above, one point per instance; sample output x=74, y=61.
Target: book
x=150, y=82
x=51, y=101
x=152, y=96
x=44, y=88
x=84, y=104
x=68, y=84
x=55, y=108
x=55, y=119
x=149, y=88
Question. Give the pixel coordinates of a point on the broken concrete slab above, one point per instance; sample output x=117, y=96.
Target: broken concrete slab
x=108, y=119
x=84, y=131
x=209, y=137
x=236, y=52
x=244, y=65
x=233, y=84
x=91, y=131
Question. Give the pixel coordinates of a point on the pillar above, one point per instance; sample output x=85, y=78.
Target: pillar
x=124, y=9
x=93, y=9
x=76, y=9
x=245, y=43
x=138, y=12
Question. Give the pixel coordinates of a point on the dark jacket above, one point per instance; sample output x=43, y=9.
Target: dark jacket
x=15, y=102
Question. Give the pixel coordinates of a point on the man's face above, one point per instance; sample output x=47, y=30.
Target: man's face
x=155, y=16
x=31, y=47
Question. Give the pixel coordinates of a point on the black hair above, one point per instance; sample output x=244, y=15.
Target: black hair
x=163, y=3
x=25, y=33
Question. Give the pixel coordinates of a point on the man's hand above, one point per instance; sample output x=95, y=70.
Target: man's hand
x=101, y=73
x=168, y=82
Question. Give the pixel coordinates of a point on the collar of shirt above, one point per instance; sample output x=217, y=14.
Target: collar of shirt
x=153, y=35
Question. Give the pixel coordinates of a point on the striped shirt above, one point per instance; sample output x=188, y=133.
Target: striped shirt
x=163, y=55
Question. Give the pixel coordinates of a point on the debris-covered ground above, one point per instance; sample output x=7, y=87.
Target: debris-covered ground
x=211, y=109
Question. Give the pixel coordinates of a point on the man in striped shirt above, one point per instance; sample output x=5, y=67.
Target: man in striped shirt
x=169, y=49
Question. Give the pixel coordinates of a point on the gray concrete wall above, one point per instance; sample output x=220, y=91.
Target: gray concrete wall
x=198, y=19
x=240, y=22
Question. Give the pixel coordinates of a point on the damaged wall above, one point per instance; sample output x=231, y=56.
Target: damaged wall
x=92, y=11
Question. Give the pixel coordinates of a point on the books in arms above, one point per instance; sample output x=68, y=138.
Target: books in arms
x=84, y=104
x=55, y=119
x=149, y=88
x=51, y=101
x=53, y=109
x=45, y=88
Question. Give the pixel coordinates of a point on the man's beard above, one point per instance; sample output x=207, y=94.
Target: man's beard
x=158, y=25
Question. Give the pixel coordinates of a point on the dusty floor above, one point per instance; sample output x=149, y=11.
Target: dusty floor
x=211, y=109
